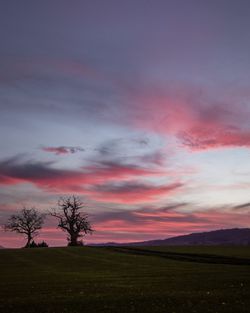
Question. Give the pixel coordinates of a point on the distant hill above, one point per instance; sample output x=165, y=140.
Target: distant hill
x=235, y=236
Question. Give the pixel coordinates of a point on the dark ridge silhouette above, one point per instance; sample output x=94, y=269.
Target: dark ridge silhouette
x=234, y=236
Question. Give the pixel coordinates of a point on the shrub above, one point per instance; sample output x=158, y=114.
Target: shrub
x=33, y=244
x=42, y=244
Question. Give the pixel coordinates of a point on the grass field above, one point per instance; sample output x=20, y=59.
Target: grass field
x=146, y=279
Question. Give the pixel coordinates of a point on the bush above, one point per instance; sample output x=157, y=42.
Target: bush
x=42, y=244
x=33, y=244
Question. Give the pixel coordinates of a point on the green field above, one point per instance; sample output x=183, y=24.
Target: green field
x=158, y=279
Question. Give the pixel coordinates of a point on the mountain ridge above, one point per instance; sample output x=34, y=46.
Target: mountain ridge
x=232, y=236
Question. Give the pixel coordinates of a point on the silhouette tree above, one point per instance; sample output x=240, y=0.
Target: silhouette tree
x=72, y=220
x=27, y=222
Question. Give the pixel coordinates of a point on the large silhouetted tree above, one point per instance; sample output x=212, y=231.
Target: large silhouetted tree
x=71, y=219
x=27, y=222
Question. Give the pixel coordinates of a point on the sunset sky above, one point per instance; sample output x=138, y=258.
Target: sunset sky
x=141, y=107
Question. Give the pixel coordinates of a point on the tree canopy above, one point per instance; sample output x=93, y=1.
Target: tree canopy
x=72, y=219
x=27, y=222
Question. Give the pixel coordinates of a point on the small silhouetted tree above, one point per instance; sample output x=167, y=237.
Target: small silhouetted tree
x=72, y=219
x=27, y=222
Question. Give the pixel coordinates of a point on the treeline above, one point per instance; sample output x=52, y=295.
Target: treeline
x=71, y=219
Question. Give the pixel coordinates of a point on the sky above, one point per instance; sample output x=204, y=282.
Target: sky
x=139, y=107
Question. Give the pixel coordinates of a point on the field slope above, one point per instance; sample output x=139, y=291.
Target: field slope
x=125, y=279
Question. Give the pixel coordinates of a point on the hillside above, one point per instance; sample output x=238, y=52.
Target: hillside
x=125, y=280
x=234, y=236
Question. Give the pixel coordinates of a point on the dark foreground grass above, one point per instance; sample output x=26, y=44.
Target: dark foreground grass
x=94, y=280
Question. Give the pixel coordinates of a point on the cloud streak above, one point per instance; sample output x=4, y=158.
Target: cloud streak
x=63, y=150
x=44, y=175
x=190, y=114
x=157, y=223
x=133, y=192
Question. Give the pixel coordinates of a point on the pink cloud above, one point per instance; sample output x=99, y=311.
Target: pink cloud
x=63, y=150
x=45, y=176
x=197, y=120
x=155, y=224
x=132, y=192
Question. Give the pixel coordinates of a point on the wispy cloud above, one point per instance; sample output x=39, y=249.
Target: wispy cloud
x=45, y=175
x=63, y=150
x=162, y=222
x=192, y=115
x=132, y=192
x=242, y=207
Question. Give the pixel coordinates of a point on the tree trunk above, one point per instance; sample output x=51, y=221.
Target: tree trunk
x=28, y=241
x=73, y=239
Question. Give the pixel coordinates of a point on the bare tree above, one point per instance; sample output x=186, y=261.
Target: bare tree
x=27, y=222
x=71, y=219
